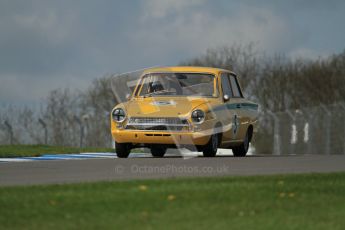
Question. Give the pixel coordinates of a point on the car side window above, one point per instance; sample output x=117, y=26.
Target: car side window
x=235, y=87
x=226, y=85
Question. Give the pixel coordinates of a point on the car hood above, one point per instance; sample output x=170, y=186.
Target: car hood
x=163, y=107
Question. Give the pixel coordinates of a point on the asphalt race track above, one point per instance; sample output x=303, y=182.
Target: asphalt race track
x=107, y=169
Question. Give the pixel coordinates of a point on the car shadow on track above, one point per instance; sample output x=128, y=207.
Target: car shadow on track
x=200, y=156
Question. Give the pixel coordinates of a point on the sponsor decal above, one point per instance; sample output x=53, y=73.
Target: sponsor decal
x=235, y=125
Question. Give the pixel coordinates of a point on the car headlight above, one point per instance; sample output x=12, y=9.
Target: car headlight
x=198, y=116
x=118, y=115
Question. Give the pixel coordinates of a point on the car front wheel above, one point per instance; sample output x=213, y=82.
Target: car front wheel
x=210, y=149
x=122, y=150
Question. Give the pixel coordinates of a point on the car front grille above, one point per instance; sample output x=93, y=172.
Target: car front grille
x=157, y=124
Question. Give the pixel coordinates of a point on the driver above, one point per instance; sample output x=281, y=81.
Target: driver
x=155, y=86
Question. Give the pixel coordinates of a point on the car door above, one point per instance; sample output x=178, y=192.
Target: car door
x=232, y=116
x=243, y=116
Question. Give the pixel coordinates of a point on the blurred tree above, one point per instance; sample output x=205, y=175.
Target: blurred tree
x=277, y=83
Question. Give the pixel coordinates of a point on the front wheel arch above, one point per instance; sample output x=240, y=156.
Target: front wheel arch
x=219, y=130
x=210, y=150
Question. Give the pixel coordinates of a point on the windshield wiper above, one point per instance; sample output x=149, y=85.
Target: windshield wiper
x=158, y=92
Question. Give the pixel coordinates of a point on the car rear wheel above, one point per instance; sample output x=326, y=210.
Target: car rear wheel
x=158, y=151
x=210, y=149
x=241, y=151
x=122, y=150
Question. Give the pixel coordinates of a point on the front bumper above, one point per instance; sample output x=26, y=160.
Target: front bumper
x=160, y=137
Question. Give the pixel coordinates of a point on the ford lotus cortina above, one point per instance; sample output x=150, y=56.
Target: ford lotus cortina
x=198, y=108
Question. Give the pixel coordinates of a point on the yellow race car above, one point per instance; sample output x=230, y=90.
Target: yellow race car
x=198, y=108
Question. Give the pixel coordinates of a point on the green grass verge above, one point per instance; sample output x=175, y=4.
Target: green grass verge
x=37, y=150
x=307, y=201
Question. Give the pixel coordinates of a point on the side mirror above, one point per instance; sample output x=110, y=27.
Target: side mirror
x=226, y=97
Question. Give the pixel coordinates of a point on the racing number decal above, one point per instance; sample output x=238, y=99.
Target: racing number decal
x=235, y=125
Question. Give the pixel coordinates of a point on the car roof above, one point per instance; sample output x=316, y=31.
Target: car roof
x=185, y=69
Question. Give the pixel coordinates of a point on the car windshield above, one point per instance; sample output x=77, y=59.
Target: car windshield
x=177, y=84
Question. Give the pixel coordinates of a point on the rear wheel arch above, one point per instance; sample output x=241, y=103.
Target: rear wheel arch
x=242, y=149
x=250, y=132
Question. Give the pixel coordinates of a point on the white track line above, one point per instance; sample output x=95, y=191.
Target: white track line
x=77, y=156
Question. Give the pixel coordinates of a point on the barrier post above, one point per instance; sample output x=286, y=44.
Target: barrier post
x=276, y=137
x=328, y=129
x=294, y=132
x=81, y=128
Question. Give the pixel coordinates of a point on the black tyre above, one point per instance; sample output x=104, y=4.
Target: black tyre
x=122, y=150
x=199, y=148
x=158, y=151
x=210, y=149
x=241, y=150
